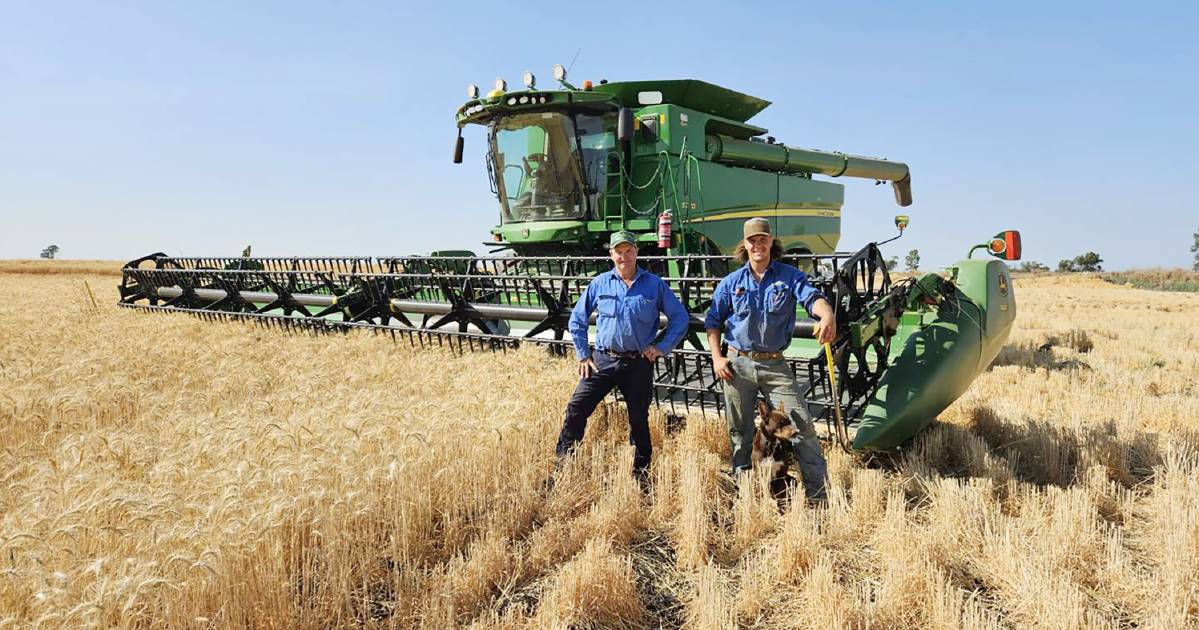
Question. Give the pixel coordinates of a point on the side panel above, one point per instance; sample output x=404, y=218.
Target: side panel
x=811, y=230
x=730, y=196
x=809, y=214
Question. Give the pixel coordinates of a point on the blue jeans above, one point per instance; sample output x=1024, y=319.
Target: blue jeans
x=774, y=379
x=635, y=379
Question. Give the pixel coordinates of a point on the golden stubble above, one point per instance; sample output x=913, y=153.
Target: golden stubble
x=160, y=471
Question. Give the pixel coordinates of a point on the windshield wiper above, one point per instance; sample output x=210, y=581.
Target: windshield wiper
x=579, y=172
x=491, y=174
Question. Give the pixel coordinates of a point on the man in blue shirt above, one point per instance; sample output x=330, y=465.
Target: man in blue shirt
x=627, y=301
x=755, y=307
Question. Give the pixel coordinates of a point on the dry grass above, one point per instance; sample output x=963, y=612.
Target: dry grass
x=61, y=266
x=1156, y=279
x=159, y=471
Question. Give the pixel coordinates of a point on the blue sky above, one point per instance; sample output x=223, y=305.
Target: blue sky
x=327, y=128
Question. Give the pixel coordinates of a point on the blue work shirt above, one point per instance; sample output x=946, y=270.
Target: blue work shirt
x=760, y=316
x=627, y=319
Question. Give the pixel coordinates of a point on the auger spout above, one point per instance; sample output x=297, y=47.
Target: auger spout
x=786, y=159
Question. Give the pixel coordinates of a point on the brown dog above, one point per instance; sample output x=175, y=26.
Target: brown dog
x=772, y=444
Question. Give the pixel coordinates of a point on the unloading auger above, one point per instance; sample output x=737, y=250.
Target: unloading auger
x=569, y=167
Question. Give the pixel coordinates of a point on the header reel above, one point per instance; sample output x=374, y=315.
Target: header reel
x=498, y=299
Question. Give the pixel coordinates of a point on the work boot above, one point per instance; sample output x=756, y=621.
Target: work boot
x=547, y=486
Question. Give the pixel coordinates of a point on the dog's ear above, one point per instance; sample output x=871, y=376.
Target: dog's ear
x=780, y=409
x=763, y=410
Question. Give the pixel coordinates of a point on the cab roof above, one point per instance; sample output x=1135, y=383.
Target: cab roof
x=690, y=93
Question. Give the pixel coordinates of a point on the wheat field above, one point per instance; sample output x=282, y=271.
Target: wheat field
x=164, y=472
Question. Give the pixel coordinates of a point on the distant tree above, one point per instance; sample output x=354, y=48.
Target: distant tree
x=893, y=262
x=1195, y=250
x=49, y=252
x=1089, y=261
x=912, y=261
x=1032, y=266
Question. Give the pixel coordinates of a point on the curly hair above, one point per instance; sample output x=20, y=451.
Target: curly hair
x=741, y=254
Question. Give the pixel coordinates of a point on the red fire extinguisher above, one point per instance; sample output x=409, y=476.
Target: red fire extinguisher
x=664, y=230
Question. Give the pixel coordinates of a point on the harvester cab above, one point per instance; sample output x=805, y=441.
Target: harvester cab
x=678, y=164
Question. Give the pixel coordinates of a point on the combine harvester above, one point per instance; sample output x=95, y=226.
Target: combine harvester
x=676, y=163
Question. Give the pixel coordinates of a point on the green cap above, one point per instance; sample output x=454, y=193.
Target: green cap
x=622, y=237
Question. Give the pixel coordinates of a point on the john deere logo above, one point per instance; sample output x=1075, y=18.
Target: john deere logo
x=525, y=232
x=1002, y=285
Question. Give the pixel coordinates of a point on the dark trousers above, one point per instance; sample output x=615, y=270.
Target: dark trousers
x=635, y=379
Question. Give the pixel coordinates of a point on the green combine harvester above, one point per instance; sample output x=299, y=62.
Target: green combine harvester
x=677, y=163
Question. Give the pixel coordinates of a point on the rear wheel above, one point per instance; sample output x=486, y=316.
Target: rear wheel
x=805, y=264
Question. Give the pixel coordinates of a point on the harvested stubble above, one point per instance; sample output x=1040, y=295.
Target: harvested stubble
x=160, y=471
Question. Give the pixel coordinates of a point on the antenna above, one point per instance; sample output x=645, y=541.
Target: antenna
x=572, y=60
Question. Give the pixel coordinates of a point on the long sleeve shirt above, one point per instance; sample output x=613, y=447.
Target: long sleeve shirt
x=627, y=316
x=759, y=316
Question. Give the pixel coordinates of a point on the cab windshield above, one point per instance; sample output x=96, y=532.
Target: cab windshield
x=547, y=167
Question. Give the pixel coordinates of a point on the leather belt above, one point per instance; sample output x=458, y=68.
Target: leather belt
x=756, y=356
x=622, y=355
